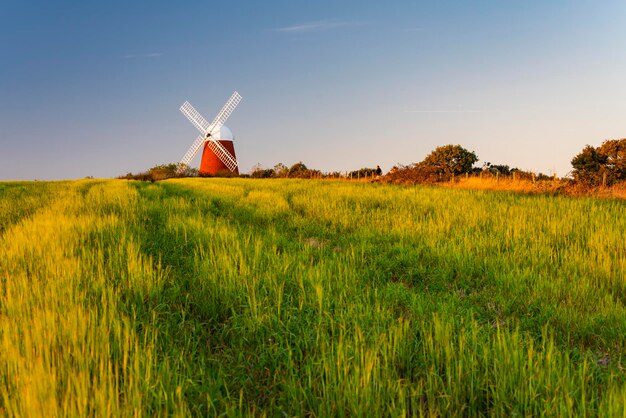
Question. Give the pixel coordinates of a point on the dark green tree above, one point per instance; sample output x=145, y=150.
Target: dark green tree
x=589, y=166
x=450, y=160
x=604, y=165
x=298, y=170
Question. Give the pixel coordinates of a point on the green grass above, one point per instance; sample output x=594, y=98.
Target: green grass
x=271, y=297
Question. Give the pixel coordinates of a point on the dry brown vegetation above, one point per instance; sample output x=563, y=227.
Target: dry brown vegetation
x=547, y=185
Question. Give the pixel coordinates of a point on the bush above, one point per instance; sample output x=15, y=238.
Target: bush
x=162, y=172
x=442, y=164
x=362, y=172
x=225, y=173
x=263, y=173
x=298, y=171
x=415, y=173
x=497, y=169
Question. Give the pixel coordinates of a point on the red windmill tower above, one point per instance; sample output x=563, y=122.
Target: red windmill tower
x=218, y=155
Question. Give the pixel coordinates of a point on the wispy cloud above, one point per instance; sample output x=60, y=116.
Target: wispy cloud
x=449, y=111
x=150, y=55
x=317, y=26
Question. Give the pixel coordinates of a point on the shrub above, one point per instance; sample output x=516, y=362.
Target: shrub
x=301, y=171
x=362, y=172
x=263, y=173
x=162, y=172
x=414, y=173
x=497, y=169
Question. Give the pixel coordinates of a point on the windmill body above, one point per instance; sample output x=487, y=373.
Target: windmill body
x=211, y=164
x=215, y=139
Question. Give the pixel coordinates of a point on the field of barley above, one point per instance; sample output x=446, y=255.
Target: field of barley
x=308, y=298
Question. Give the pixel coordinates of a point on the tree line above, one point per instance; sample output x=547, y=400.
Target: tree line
x=604, y=165
x=593, y=166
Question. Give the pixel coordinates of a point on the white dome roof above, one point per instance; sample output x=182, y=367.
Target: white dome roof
x=223, y=133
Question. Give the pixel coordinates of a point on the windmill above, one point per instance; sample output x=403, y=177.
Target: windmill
x=218, y=154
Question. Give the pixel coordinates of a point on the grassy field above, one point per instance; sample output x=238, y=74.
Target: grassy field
x=294, y=298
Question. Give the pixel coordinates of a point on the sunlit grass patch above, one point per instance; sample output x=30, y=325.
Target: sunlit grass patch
x=235, y=297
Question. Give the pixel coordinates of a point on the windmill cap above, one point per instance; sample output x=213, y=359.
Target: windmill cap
x=223, y=133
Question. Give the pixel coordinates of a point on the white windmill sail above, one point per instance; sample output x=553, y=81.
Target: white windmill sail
x=207, y=129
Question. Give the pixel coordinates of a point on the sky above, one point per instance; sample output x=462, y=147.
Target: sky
x=92, y=88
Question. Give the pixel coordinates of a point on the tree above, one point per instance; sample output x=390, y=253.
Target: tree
x=605, y=164
x=614, y=152
x=589, y=166
x=450, y=160
x=280, y=170
x=298, y=170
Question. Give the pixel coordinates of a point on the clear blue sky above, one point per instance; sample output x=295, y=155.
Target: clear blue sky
x=93, y=88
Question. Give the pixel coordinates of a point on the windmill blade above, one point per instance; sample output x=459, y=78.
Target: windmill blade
x=195, y=118
x=223, y=154
x=207, y=129
x=192, y=151
x=228, y=108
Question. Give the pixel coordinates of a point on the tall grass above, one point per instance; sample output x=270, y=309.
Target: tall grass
x=237, y=297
